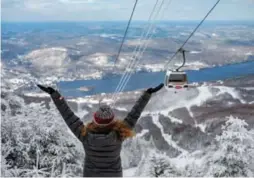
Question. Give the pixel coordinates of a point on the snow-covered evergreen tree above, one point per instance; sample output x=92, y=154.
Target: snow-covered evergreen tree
x=157, y=164
x=36, y=142
x=161, y=166
x=234, y=153
x=132, y=151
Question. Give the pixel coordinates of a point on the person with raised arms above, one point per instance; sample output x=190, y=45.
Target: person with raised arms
x=102, y=138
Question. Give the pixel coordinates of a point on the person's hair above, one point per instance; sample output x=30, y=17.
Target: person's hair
x=123, y=130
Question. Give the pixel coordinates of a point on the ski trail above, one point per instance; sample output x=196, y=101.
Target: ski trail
x=167, y=137
x=235, y=94
x=142, y=133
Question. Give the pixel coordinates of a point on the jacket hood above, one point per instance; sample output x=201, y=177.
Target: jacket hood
x=101, y=139
x=117, y=130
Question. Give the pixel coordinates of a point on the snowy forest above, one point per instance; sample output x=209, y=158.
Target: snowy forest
x=37, y=143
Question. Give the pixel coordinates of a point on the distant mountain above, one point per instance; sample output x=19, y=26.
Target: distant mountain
x=88, y=44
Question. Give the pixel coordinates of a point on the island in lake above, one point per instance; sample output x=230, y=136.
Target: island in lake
x=86, y=89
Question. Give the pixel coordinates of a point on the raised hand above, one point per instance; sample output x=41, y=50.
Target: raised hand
x=154, y=90
x=48, y=90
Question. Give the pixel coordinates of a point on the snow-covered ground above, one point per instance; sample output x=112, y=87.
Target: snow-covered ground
x=170, y=134
x=129, y=172
x=49, y=58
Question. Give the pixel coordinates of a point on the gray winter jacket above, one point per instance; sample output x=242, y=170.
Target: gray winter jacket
x=102, y=150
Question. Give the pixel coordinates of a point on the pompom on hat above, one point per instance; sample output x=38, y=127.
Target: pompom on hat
x=104, y=115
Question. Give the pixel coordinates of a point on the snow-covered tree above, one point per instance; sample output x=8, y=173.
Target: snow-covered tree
x=36, y=142
x=134, y=149
x=162, y=167
x=157, y=164
x=235, y=151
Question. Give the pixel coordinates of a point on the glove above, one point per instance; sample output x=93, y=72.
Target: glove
x=153, y=90
x=48, y=90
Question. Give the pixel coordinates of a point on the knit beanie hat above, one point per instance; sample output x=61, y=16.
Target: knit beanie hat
x=104, y=115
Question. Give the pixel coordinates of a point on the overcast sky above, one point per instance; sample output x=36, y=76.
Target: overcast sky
x=84, y=10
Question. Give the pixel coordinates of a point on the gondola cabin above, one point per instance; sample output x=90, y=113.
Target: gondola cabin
x=176, y=80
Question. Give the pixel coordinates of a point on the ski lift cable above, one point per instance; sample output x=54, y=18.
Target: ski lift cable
x=135, y=55
x=126, y=31
x=136, y=61
x=193, y=32
x=136, y=47
x=143, y=37
x=140, y=56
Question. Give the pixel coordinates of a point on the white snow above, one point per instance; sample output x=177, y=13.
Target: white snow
x=88, y=99
x=142, y=133
x=111, y=36
x=17, y=81
x=195, y=52
x=196, y=65
x=214, y=35
x=249, y=53
x=204, y=95
x=235, y=94
x=53, y=58
x=175, y=120
x=134, y=42
x=188, y=98
x=248, y=88
x=129, y=172
x=170, y=101
x=99, y=60
x=107, y=101
x=81, y=113
x=82, y=42
x=39, y=95
x=152, y=67
x=202, y=127
x=167, y=137
x=186, y=159
x=194, y=96
x=93, y=75
x=92, y=100
x=121, y=109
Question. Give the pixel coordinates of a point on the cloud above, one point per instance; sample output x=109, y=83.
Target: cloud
x=76, y=1
x=25, y=4
x=81, y=10
x=64, y=4
x=65, y=10
x=16, y=3
x=10, y=3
